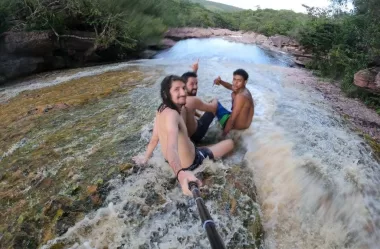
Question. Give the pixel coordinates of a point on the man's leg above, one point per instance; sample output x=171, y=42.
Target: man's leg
x=222, y=148
x=203, y=125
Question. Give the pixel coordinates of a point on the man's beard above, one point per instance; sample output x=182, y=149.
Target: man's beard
x=192, y=93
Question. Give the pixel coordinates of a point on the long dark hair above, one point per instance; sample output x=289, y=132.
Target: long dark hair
x=167, y=101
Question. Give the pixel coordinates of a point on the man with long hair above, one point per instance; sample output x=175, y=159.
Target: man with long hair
x=171, y=131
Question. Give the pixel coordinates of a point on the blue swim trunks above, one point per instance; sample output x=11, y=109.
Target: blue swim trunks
x=222, y=114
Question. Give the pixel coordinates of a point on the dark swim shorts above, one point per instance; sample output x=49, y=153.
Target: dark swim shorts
x=200, y=155
x=203, y=125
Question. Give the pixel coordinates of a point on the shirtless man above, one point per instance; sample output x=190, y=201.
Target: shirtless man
x=197, y=128
x=170, y=130
x=242, y=104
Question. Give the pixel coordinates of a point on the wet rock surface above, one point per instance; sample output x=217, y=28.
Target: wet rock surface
x=54, y=171
x=237, y=198
x=63, y=160
x=146, y=212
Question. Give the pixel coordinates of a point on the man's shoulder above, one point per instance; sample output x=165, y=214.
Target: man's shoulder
x=191, y=98
x=248, y=91
x=168, y=113
x=244, y=96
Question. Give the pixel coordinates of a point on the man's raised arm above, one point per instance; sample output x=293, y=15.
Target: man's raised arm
x=184, y=177
x=205, y=107
x=218, y=81
x=195, y=66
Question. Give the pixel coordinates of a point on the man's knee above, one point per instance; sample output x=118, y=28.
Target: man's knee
x=229, y=144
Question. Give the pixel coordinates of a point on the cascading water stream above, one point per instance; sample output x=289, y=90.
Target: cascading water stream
x=316, y=180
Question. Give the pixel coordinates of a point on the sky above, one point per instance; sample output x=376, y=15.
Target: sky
x=295, y=5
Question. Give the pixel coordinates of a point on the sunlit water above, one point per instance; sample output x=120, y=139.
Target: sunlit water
x=317, y=183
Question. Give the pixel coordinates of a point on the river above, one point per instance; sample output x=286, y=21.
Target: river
x=314, y=182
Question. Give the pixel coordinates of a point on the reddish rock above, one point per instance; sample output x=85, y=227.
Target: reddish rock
x=369, y=79
x=26, y=53
x=61, y=106
x=302, y=61
x=233, y=206
x=377, y=80
x=167, y=43
x=95, y=199
x=221, y=32
x=281, y=41
x=177, y=34
x=46, y=183
x=247, y=38
x=47, y=108
x=92, y=189
x=275, y=43
x=34, y=43
x=260, y=38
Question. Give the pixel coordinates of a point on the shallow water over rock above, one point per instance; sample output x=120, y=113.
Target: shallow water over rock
x=299, y=177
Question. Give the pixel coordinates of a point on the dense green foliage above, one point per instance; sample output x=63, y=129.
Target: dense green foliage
x=126, y=22
x=341, y=42
x=134, y=22
x=214, y=6
x=181, y=13
x=269, y=22
x=344, y=43
x=114, y=21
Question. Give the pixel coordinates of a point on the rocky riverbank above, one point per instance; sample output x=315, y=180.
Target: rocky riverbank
x=368, y=79
x=27, y=53
x=277, y=43
x=359, y=117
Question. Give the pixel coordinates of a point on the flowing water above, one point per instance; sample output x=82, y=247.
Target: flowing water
x=316, y=180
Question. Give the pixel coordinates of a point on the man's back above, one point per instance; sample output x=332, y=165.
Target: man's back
x=170, y=118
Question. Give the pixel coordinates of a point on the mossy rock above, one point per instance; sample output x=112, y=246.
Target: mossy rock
x=237, y=197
